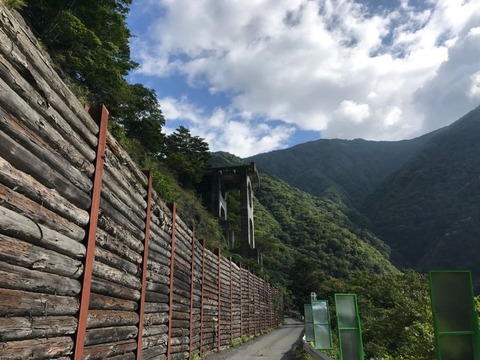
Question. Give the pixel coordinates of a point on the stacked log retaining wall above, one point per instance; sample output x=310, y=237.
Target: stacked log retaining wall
x=93, y=264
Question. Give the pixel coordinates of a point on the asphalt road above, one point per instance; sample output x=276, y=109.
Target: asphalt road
x=275, y=345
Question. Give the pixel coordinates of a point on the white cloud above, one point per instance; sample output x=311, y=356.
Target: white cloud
x=236, y=133
x=332, y=66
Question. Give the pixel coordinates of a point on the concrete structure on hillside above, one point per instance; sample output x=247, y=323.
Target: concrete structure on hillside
x=220, y=181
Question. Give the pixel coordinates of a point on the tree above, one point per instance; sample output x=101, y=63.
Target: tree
x=395, y=313
x=188, y=156
x=142, y=118
x=88, y=40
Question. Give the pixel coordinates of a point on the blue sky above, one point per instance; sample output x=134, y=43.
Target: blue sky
x=258, y=75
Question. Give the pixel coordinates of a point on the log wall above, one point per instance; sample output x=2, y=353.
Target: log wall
x=93, y=264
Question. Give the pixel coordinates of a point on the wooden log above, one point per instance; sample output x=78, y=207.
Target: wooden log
x=124, y=356
x=25, y=112
x=160, y=288
x=107, y=318
x=102, y=302
x=22, y=328
x=155, y=319
x=109, y=273
x=180, y=323
x=102, y=351
x=37, y=348
x=131, y=187
x=18, y=278
x=33, y=257
x=158, y=257
x=156, y=307
x=21, y=48
x=32, y=165
x=116, y=230
x=154, y=352
x=108, y=288
x=126, y=161
x=159, y=247
x=155, y=330
x=115, y=261
x=123, y=190
x=34, y=190
x=117, y=247
x=120, y=210
x=155, y=297
x=160, y=279
x=18, y=203
x=122, y=223
x=110, y=334
x=22, y=303
x=154, y=340
x=157, y=268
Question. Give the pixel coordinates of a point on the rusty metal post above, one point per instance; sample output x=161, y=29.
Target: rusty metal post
x=249, y=302
x=219, y=254
x=231, y=303
x=172, y=269
x=146, y=243
x=201, y=299
x=241, y=299
x=101, y=117
x=192, y=279
x=255, y=293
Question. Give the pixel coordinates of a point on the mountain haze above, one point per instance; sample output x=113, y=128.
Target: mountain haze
x=301, y=233
x=344, y=169
x=428, y=210
x=420, y=196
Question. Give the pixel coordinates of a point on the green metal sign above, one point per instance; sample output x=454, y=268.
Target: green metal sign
x=349, y=330
x=309, y=329
x=454, y=317
x=321, y=324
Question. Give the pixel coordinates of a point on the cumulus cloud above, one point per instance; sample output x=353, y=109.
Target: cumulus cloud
x=333, y=66
x=237, y=133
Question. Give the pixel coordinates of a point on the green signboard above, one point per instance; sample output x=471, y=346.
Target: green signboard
x=309, y=330
x=321, y=324
x=349, y=330
x=454, y=317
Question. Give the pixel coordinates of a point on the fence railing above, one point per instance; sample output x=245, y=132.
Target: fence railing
x=93, y=264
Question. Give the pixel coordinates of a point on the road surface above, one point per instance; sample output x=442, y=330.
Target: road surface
x=275, y=345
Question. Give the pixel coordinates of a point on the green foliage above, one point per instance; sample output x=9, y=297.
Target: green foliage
x=168, y=189
x=13, y=4
x=89, y=42
x=188, y=156
x=395, y=313
x=340, y=170
x=427, y=211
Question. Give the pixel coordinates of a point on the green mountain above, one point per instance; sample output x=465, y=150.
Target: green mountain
x=306, y=239
x=420, y=196
x=428, y=209
x=348, y=170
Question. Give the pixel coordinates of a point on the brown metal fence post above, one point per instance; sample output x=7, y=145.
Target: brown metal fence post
x=192, y=278
x=144, y=267
x=172, y=269
x=249, y=302
x=101, y=117
x=219, y=254
x=240, y=271
x=202, y=296
x=231, y=303
x=255, y=292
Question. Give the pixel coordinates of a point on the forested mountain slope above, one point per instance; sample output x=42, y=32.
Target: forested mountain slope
x=344, y=169
x=428, y=210
x=306, y=239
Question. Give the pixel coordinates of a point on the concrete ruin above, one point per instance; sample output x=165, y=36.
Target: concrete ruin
x=220, y=181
